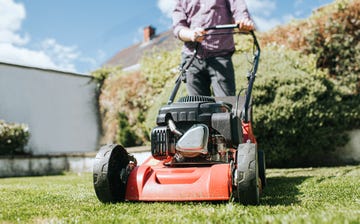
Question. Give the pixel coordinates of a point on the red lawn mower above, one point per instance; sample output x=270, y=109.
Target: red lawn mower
x=203, y=149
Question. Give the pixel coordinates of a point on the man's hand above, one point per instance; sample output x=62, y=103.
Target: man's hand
x=198, y=35
x=246, y=24
x=194, y=35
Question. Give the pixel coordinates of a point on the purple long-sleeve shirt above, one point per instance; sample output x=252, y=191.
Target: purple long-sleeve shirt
x=205, y=13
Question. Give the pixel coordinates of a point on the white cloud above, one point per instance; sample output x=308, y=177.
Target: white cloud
x=11, y=16
x=263, y=13
x=261, y=7
x=63, y=56
x=19, y=55
x=166, y=7
x=13, y=47
x=7, y=36
x=264, y=24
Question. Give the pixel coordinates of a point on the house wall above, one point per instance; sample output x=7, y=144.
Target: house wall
x=59, y=108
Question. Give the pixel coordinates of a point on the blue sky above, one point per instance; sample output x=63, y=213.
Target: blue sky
x=80, y=35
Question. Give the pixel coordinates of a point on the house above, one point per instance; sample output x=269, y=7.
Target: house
x=129, y=58
x=59, y=107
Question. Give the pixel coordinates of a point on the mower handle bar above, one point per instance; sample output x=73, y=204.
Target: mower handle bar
x=222, y=27
x=251, y=75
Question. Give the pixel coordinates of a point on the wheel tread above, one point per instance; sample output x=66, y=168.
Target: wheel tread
x=109, y=161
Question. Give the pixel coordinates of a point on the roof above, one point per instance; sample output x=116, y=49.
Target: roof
x=129, y=57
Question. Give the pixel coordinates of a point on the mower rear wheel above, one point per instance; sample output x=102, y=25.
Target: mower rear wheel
x=110, y=163
x=247, y=175
x=262, y=168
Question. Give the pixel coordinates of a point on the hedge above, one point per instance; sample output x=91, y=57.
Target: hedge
x=13, y=138
x=300, y=117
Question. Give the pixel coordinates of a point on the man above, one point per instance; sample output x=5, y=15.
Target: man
x=213, y=65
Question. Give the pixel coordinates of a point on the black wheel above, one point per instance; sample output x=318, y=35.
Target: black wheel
x=109, y=166
x=247, y=175
x=262, y=168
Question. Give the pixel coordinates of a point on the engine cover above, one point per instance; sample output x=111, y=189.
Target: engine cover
x=194, y=142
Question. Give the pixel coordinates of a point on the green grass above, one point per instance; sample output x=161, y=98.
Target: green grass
x=317, y=195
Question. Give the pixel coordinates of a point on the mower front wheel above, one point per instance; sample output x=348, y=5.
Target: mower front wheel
x=110, y=163
x=247, y=175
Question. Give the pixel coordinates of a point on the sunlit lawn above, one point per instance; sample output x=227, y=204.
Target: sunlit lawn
x=317, y=195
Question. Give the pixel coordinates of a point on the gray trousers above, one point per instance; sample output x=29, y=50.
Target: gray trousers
x=216, y=72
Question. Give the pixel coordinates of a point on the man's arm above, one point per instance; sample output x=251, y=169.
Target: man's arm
x=186, y=34
x=181, y=28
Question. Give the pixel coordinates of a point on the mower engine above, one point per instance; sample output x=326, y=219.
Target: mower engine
x=196, y=129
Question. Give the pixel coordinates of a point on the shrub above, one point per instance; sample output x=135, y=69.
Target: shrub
x=99, y=76
x=332, y=33
x=158, y=67
x=335, y=39
x=13, y=138
x=330, y=37
x=299, y=116
x=126, y=93
x=125, y=135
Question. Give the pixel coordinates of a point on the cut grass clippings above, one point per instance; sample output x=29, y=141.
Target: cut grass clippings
x=311, y=195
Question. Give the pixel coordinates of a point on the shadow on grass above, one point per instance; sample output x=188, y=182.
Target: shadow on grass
x=282, y=190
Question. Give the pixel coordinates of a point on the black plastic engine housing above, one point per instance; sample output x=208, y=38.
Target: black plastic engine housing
x=219, y=116
x=191, y=111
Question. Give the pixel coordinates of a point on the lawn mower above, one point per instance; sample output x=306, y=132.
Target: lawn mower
x=203, y=149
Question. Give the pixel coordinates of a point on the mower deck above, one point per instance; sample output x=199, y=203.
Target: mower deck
x=153, y=181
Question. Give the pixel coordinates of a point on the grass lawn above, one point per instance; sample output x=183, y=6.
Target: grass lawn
x=312, y=195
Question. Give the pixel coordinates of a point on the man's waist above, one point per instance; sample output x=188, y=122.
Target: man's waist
x=208, y=53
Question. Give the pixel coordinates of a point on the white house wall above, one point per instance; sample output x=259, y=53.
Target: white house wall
x=59, y=108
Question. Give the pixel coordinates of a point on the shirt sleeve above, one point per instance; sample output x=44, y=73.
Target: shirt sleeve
x=179, y=18
x=239, y=9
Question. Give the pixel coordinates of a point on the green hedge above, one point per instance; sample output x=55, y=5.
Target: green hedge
x=300, y=116
x=158, y=67
x=335, y=39
x=125, y=136
x=13, y=138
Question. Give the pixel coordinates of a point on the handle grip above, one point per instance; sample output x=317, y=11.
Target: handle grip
x=223, y=27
